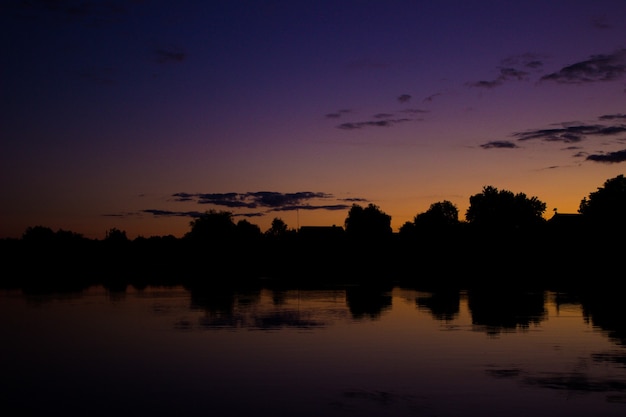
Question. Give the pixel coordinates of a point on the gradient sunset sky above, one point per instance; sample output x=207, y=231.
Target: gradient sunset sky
x=140, y=115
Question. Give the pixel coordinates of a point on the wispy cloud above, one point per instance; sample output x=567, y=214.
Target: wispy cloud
x=431, y=97
x=610, y=157
x=274, y=201
x=570, y=134
x=505, y=74
x=617, y=116
x=605, y=67
x=169, y=213
x=255, y=204
x=514, y=68
x=372, y=123
x=601, y=67
x=499, y=144
x=404, y=98
x=574, y=133
x=337, y=114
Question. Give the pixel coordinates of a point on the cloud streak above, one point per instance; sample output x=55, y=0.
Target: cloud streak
x=271, y=200
x=574, y=133
x=373, y=123
x=596, y=68
x=570, y=134
x=609, y=158
x=515, y=68
x=605, y=67
x=255, y=204
x=499, y=144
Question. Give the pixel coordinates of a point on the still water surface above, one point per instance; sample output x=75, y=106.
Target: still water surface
x=338, y=351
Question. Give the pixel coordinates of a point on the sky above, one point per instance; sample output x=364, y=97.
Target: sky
x=142, y=115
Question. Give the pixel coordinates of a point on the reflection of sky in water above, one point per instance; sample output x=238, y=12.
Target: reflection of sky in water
x=297, y=352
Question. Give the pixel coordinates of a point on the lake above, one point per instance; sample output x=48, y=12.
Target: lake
x=264, y=350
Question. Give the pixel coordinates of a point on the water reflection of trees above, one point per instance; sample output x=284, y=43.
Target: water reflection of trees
x=232, y=307
x=226, y=306
x=442, y=304
x=606, y=310
x=365, y=301
x=500, y=310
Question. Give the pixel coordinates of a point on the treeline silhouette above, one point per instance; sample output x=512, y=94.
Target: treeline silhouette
x=504, y=240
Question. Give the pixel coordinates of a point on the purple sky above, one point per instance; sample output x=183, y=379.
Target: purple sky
x=139, y=115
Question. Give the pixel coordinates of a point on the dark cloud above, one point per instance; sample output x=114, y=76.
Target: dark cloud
x=355, y=200
x=164, y=56
x=382, y=116
x=274, y=199
x=570, y=134
x=168, y=213
x=330, y=207
x=505, y=74
x=609, y=158
x=574, y=133
x=528, y=61
x=192, y=214
x=607, y=67
x=499, y=144
x=431, y=97
x=253, y=204
x=486, y=84
x=256, y=200
x=404, y=98
x=371, y=123
x=513, y=68
x=337, y=114
x=617, y=116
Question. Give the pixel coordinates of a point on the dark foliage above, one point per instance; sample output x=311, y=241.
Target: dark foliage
x=504, y=240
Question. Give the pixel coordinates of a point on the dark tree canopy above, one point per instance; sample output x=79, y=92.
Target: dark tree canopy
x=607, y=205
x=440, y=215
x=368, y=222
x=44, y=234
x=38, y=234
x=212, y=226
x=247, y=230
x=115, y=235
x=277, y=229
x=502, y=209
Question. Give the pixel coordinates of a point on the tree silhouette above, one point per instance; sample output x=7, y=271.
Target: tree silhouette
x=247, y=230
x=38, y=234
x=212, y=226
x=115, y=235
x=607, y=205
x=502, y=209
x=368, y=222
x=278, y=228
x=440, y=215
